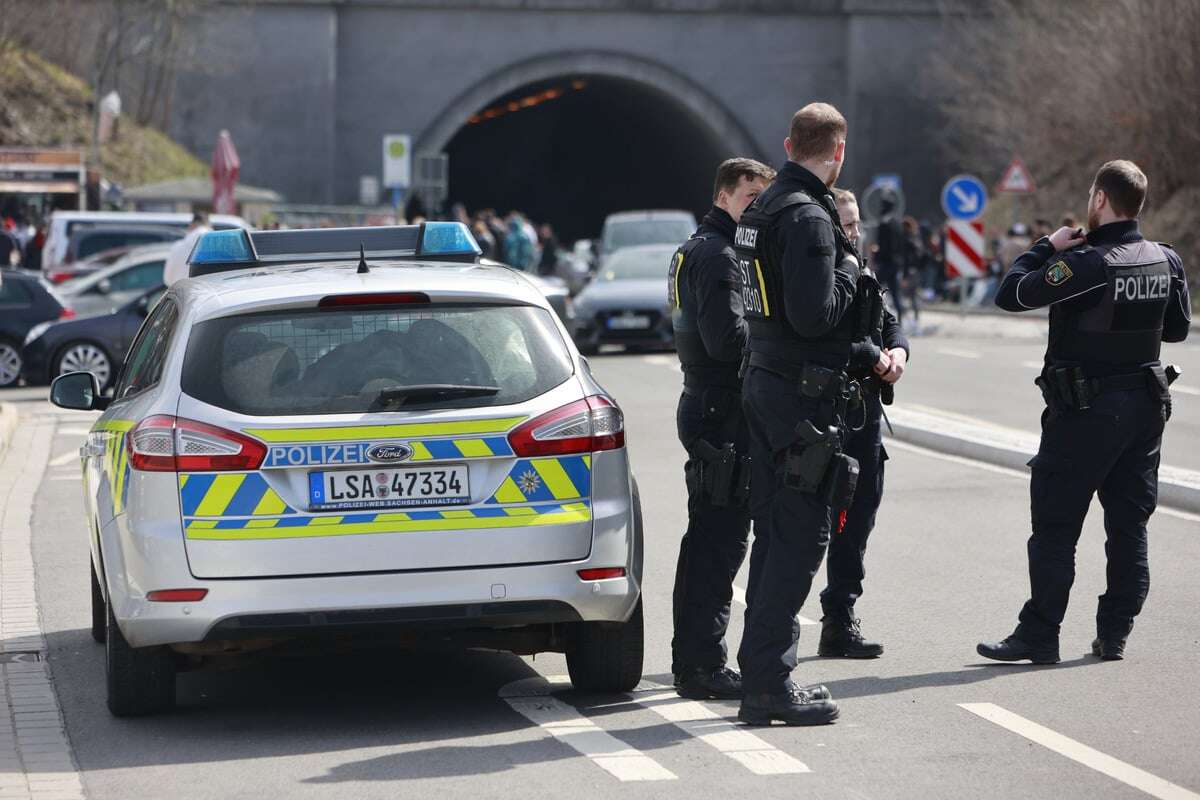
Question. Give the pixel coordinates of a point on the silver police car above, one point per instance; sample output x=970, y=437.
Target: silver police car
x=339, y=430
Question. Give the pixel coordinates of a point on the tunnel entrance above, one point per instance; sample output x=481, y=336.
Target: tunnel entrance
x=569, y=151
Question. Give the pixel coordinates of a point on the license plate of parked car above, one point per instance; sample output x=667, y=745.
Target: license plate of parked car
x=392, y=487
x=629, y=322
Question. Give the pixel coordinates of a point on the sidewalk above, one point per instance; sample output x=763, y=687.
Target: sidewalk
x=35, y=754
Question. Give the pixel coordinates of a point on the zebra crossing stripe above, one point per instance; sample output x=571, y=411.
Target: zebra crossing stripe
x=531, y=699
x=721, y=734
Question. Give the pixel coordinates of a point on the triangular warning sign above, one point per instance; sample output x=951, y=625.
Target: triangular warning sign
x=1016, y=179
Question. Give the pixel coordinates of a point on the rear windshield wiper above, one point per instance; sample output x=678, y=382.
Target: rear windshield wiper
x=396, y=396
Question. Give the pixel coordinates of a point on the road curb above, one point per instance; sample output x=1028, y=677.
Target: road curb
x=1005, y=447
x=8, y=424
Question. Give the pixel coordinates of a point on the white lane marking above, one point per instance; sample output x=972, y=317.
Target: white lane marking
x=1033, y=364
x=1186, y=390
x=739, y=596
x=661, y=361
x=72, y=477
x=954, y=351
x=531, y=699
x=65, y=458
x=1081, y=753
x=719, y=733
x=1012, y=473
x=73, y=431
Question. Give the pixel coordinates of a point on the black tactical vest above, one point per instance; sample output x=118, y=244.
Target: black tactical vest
x=760, y=269
x=1125, y=326
x=689, y=346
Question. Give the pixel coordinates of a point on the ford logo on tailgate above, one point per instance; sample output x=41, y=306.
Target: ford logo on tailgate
x=388, y=453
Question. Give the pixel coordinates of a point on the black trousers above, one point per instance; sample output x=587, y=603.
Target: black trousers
x=714, y=545
x=1112, y=450
x=791, y=531
x=844, y=565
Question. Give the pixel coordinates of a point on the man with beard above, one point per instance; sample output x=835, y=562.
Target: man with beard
x=1114, y=297
x=805, y=307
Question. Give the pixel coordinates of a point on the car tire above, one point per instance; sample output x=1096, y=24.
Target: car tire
x=140, y=680
x=99, y=609
x=10, y=363
x=84, y=356
x=607, y=656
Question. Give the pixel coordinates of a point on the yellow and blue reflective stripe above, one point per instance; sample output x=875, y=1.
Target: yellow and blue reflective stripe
x=466, y=427
x=229, y=494
x=387, y=522
x=540, y=479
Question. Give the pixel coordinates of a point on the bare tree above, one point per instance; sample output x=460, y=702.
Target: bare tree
x=1072, y=83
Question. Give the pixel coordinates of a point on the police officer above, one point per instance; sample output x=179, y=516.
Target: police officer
x=877, y=361
x=806, y=302
x=709, y=337
x=1113, y=297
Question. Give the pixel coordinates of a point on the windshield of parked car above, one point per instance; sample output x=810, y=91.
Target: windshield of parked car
x=629, y=233
x=639, y=264
x=337, y=361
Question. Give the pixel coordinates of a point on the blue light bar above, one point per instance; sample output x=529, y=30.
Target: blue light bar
x=222, y=251
x=223, y=247
x=448, y=238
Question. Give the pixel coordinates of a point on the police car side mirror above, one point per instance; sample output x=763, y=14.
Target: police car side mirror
x=79, y=391
x=104, y=286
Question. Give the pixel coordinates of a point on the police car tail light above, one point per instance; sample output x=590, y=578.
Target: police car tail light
x=585, y=426
x=164, y=443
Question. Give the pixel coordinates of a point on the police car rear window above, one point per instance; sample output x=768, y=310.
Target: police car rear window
x=352, y=360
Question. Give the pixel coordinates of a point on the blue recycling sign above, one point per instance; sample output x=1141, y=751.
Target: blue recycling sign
x=964, y=197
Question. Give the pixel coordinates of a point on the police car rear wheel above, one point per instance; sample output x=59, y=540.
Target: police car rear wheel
x=607, y=656
x=99, y=610
x=140, y=680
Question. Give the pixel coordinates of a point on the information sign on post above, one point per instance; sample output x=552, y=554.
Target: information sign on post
x=397, y=161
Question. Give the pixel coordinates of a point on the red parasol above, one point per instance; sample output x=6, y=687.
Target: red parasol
x=225, y=169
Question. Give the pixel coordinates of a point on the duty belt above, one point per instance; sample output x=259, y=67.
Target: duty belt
x=1068, y=387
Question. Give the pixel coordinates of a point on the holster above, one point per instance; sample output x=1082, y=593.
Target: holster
x=1159, y=383
x=1065, y=388
x=720, y=474
x=815, y=465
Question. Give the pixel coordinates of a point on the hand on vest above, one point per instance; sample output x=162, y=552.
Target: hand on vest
x=1066, y=238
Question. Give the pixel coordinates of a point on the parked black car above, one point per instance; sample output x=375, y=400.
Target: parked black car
x=25, y=301
x=88, y=344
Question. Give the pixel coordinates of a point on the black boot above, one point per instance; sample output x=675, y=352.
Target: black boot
x=1110, y=649
x=1014, y=649
x=793, y=707
x=713, y=683
x=842, y=638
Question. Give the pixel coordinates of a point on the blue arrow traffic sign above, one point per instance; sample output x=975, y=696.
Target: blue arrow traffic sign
x=964, y=197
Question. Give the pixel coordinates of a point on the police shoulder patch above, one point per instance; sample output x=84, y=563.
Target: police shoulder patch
x=1058, y=273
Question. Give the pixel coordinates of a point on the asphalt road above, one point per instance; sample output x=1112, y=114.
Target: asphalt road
x=946, y=568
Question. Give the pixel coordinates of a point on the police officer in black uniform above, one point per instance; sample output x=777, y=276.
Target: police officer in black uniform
x=877, y=361
x=806, y=301
x=710, y=335
x=1114, y=297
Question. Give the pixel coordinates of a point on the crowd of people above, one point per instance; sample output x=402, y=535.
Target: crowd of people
x=512, y=239
x=21, y=241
